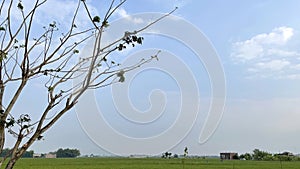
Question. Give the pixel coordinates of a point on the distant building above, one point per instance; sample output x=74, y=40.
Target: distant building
x=228, y=156
x=138, y=156
x=286, y=154
x=50, y=155
x=37, y=155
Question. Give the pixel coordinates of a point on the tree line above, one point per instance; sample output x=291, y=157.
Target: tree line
x=169, y=154
x=27, y=154
x=266, y=156
x=60, y=153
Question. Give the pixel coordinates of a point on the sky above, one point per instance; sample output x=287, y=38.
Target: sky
x=257, y=44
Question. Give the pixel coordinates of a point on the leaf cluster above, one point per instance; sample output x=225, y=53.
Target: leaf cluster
x=23, y=122
x=133, y=40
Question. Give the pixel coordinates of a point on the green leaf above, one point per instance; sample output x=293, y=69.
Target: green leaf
x=10, y=123
x=140, y=40
x=96, y=19
x=27, y=118
x=105, y=24
x=134, y=38
x=121, y=76
x=50, y=89
x=20, y=6
x=120, y=47
x=121, y=73
x=53, y=25
x=3, y=55
x=75, y=51
x=2, y=28
x=40, y=137
x=122, y=79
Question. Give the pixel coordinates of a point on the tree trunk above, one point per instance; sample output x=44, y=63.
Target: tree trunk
x=2, y=117
x=2, y=140
x=11, y=163
x=15, y=157
x=2, y=134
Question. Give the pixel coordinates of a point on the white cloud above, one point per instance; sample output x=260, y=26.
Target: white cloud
x=121, y=12
x=297, y=66
x=269, y=54
x=247, y=50
x=258, y=45
x=283, y=53
x=293, y=76
x=273, y=65
x=278, y=36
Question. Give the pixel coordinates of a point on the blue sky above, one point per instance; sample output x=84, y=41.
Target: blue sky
x=258, y=45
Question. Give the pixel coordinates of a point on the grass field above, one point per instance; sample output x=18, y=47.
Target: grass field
x=150, y=163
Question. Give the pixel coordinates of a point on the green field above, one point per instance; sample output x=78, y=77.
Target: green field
x=150, y=163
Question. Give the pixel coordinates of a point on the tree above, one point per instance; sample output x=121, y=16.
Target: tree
x=67, y=153
x=4, y=152
x=260, y=155
x=185, y=152
x=28, y=154
x=246, y=156
x=47, y=55
x=166, y=155
x=235, y=157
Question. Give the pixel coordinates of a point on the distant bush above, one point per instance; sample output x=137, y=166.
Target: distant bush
x=265, y=156
x=27, y=154
x=67, y=153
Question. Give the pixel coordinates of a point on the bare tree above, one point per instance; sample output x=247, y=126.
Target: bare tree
x=49, y=58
